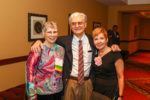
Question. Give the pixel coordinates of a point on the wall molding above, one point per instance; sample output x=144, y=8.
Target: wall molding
x=13, y=60
x=144, y=39
x=140, y=50
x=128, y=41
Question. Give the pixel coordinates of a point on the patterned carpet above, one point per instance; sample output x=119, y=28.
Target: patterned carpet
x=140, y=59
x=141, y=85
x=137, y=77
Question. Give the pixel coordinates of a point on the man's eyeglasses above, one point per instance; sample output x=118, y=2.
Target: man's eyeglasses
x=75, y=23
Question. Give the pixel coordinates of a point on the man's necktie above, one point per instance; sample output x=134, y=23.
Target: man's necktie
x=80, y=64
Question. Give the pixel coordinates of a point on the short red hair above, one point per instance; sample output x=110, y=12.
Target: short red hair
x=99, y=30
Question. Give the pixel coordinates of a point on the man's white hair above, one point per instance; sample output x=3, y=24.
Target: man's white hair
x=77, y=14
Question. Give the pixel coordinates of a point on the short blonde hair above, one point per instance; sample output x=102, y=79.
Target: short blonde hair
x=99, y=30
x=47, y=25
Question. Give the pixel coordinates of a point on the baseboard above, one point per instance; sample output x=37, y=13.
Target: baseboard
x=140, y=50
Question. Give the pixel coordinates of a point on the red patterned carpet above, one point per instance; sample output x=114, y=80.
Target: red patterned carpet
x=132, y=94
x=140, y=58
x=142, y=84
x=137, y=77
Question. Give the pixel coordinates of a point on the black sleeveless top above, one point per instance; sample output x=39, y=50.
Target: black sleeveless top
x=107, y=70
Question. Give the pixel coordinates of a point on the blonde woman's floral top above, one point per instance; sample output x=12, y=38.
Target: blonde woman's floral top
x=46, y=78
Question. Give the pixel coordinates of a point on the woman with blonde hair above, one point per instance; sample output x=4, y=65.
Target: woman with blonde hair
x=44, y=69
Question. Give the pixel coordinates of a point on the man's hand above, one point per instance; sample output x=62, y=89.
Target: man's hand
x=119, y=98
x=36, y=46
x=115, y=47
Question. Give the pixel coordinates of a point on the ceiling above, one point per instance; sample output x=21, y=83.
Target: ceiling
x=142, y=14
x=123, y=2
x=145, y=14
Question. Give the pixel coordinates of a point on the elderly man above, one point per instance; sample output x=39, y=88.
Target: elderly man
x=77, y=63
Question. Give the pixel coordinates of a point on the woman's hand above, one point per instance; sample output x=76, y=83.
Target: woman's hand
x=36, y=46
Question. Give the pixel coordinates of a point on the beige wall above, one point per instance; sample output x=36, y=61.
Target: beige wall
x=125, y=27
x=130, y=21
x=134, y=26
x=144, y=45
x=144, y=34
x=145, y=28
x=14, y=29
x=12, y=75
x=134, y=22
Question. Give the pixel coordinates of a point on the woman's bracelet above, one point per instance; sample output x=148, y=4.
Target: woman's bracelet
x=120, y=96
